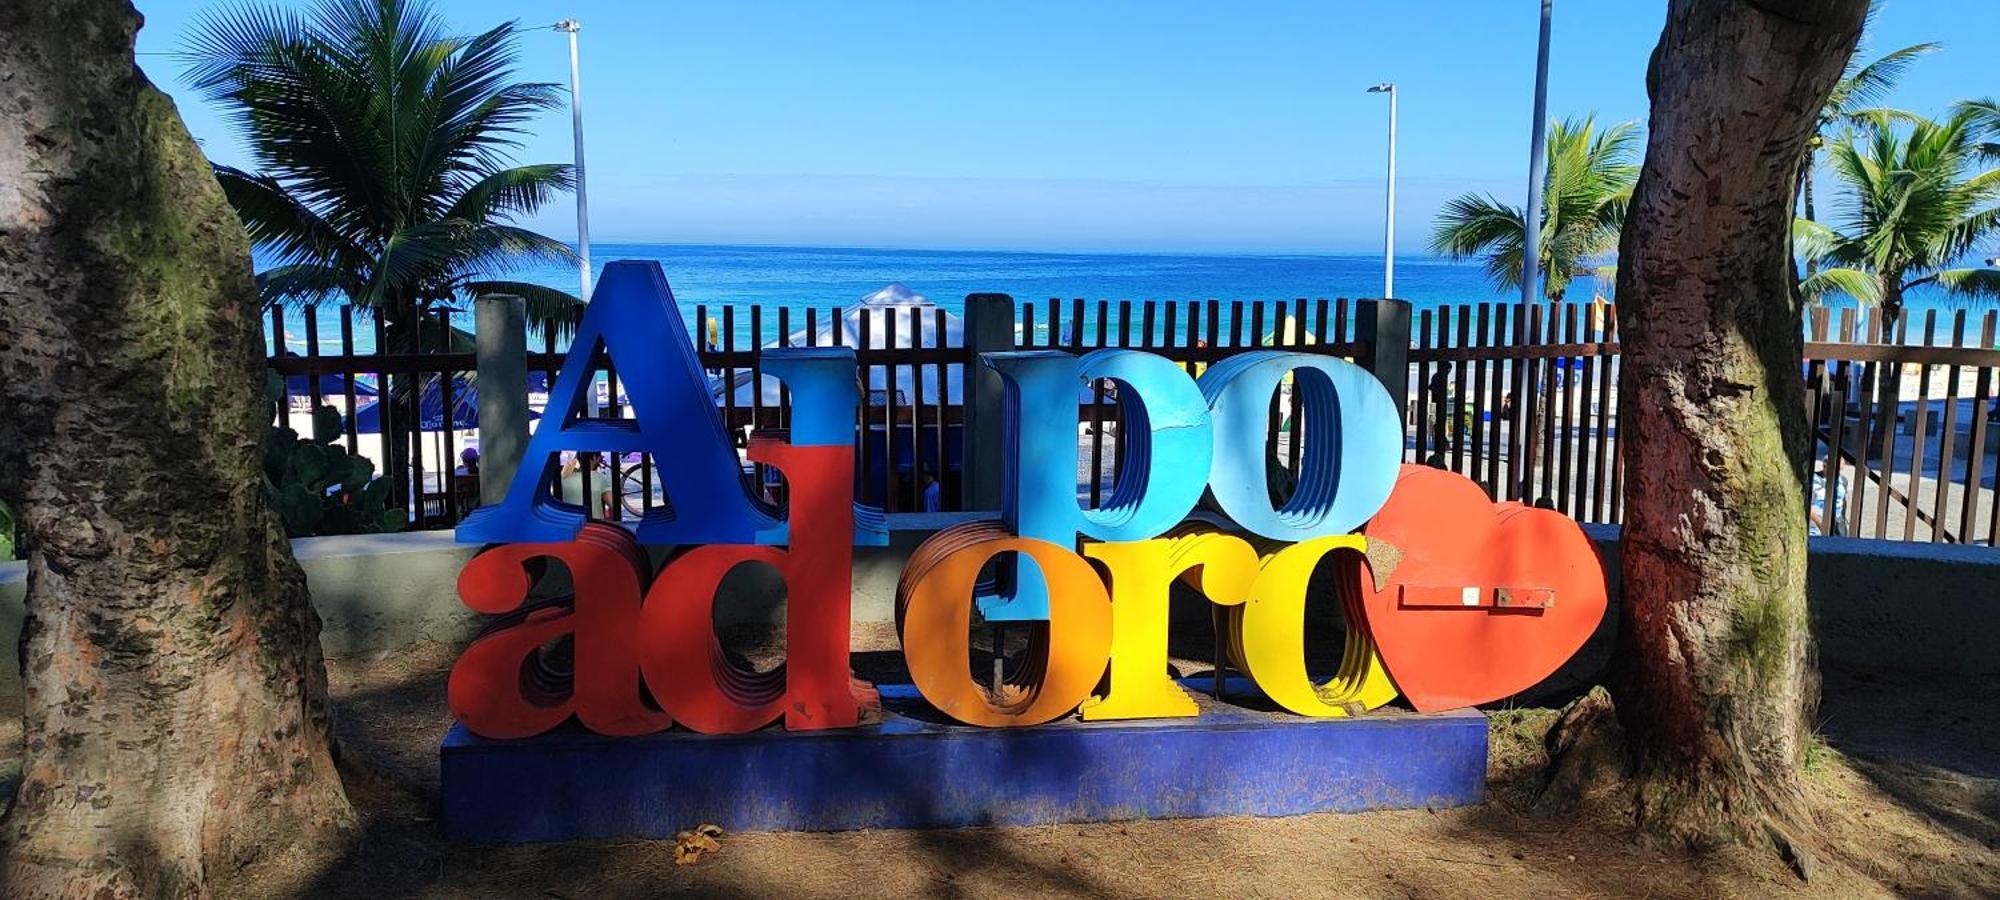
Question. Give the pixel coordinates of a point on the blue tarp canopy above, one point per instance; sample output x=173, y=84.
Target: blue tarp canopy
x=431, y=412
x=329, y=386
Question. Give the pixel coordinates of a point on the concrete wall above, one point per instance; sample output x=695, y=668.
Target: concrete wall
x=384, y=591
x=1876, y=604
x=373, y=592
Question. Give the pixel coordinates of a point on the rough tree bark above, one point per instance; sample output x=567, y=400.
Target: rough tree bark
x=1718, y=677
x=176, y=702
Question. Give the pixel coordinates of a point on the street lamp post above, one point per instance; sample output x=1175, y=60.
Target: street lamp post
x=1389, y=220
x=570, y=27
x=1531, y=223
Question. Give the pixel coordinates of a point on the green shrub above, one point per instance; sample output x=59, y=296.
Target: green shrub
x=318, y=487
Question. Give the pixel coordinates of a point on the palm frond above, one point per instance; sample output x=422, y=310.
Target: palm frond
x=303, y=284
x=1880, y=117
x=1871, y=83
x=547, y=308
x=515, y=191
x=1840, y=280
x=1820, y=243
x=1471, y=224
x=278, y=223
x=411, y=264
x=1976, y=283
x=493, y=248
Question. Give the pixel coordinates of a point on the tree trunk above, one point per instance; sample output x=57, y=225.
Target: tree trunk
x=1717, y=677
x=402, y=396
x=1892, y=301
x=176, y=721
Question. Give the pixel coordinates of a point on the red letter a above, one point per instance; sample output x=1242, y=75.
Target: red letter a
x=495, y=689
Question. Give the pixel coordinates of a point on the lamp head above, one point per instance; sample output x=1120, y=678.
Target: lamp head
x=569, y=25
x=1386, y=87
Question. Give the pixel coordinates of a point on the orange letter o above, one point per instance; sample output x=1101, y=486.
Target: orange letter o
x=934, y=612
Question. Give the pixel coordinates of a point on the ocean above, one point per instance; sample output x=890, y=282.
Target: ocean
x=821, y=277
x=824, y=276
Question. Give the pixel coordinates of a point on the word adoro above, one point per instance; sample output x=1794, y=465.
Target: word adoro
x=1447, y=598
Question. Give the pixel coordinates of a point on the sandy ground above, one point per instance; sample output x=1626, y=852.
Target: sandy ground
x=1907, y=792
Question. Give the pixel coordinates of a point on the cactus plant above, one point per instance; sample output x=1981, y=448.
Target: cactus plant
x=318, y=487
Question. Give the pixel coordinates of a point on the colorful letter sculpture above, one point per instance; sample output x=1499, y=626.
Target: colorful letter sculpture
x=1472, y=602
x=1353, y=442
x=934, y=610
x=1267, y=637
x=670, y=639
x=667, y=642
x=1222, y=567
x=686, y=668
x=1486, y=601
x=499, y=688
x=1167, y=446
x=1182, y=438
x=632, y=319
x=1265, y=611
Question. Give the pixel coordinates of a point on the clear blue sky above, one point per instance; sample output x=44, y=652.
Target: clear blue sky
x=1074, y=126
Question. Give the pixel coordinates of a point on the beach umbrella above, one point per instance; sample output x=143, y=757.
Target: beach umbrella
x=329, y=386
x=431, y=408
x=894, y=307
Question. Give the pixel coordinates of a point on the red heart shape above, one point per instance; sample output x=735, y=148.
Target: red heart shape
x=1487, y=599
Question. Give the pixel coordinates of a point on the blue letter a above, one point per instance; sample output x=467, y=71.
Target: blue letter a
x=632, y=317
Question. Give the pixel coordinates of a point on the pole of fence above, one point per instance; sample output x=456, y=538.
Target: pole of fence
x=500, y=323
x=989, y=328
x=1383, y=327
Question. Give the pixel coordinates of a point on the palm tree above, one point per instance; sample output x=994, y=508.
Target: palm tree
x=1921, y=203
x=381, y=148
x=1861, y=89
x=1589, y=184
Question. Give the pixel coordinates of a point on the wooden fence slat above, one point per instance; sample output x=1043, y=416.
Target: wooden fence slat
x=1480, y=402
x=1097, y=416
x=1465, y=429
x=1975, y=453
x=1527, y=317
x=939, y=324
x=1566, y=446
x=347, y=380
x=1425, y=395
x=1947, y=435
x=1920, y=427
x=1615, y=493
x=1871, y=375
x=1544, y=410
x=1883, y=428
x=891, y=494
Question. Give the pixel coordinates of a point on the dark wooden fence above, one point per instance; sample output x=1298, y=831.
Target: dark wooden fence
x=1522, y=399
x=1905, y=429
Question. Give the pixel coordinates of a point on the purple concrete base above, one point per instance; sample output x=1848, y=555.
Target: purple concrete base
x=916, y=771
